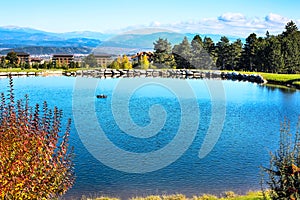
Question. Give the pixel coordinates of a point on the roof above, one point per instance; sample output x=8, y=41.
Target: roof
x=63, y=55
x=36, y=59
x=22, y=54
x=142, y=54
x=103, y=55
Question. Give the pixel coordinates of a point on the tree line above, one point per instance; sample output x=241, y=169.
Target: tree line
x=271, y=53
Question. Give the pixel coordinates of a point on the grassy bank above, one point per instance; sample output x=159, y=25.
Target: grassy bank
x=226, y=196
x=282, y=79
x=272, y=76
x=297, y=83
x=42, y=70
x=20, y=70
x=278, y=79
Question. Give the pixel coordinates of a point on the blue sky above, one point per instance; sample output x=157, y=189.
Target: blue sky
x=230, y=17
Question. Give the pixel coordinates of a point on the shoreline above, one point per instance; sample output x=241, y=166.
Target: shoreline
x=229, y=195
x=258, y=77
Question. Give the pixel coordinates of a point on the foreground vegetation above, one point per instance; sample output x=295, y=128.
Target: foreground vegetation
x=226, y=196
x=284, y=170
x=35, y=160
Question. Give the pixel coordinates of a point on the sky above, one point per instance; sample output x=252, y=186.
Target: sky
x=228, y=17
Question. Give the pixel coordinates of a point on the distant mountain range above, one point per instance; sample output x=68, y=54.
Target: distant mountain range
x=40, y=42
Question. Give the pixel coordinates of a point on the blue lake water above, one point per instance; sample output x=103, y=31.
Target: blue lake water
x=250, y=130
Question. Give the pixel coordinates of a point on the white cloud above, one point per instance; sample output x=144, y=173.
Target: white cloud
x=234, y=24
x=232, y=17
x=155, y=24
x=276, y=19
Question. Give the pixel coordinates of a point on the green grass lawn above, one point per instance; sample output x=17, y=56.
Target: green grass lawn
x=297, y=83
x=280, y=77
x=274, y=77
x=20, y=70
x=42, y=70
x=227, y=196
x=28, y=70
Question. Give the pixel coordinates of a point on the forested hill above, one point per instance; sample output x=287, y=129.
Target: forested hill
x=38, y=50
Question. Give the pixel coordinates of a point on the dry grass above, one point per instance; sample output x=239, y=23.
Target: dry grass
x=226, y=196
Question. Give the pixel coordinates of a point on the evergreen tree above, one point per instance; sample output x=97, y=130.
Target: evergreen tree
x=290, y=28
x=182, y=54
x=267, y=35
x=291, y=54
x=249, y=53
x=210, y=48
x=235, y=53
x=199, y=55
x=260, y=58
x=223, y=52
x=91, y=61
x=163, y=57
x=3, y=62
x=12, y=58
x=274, y=59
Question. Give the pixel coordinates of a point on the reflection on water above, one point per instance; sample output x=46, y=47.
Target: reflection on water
x=282, y=88
x=253, y=115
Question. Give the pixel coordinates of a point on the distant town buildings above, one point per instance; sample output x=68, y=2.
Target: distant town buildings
x=60, y=59
x=23, y=57
x=104, y=59
x=36, y=60
x=63, y=60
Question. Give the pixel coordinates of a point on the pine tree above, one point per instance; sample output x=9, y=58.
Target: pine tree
x=199, y=55
x=249, y=53
x=223, y=51
x=234, y=54
x=290, y=28
x=210, y=47
x=182, y=54
x=12, y=58
x=274, y=59
x=163, y=57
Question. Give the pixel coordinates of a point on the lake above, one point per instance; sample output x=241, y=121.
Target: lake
x=238, y=121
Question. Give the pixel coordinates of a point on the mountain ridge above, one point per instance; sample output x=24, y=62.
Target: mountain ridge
x=18, y=38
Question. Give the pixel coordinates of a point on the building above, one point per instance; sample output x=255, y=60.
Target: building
x=62, y=59
x=36, y=61
x=104, y=60
x=23, y=57
x=138, y=56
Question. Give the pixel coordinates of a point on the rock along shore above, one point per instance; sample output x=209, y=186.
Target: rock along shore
x=169, y=73
x=24, y=74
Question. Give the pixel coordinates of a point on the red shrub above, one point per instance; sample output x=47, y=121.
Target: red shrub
x=35, y=162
